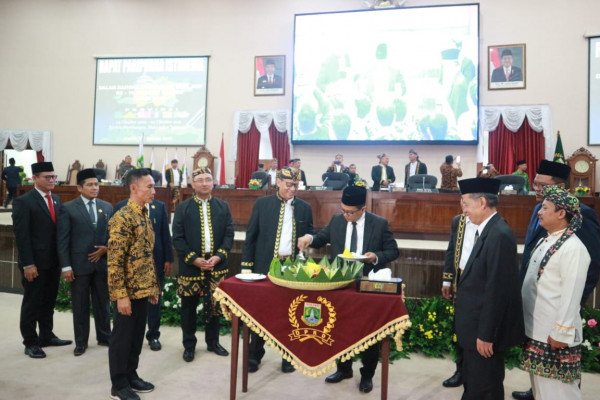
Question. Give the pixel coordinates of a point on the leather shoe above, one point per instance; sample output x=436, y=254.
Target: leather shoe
x=79, y=350
x=35, y=352
x=218, y=350
x=103, y=343
x=253, y=365
x=338, y=376
x=188, y=355
x=57, y=342
x=366, y=384
x=454, y=381
x=287, y=367
x=141, y=386
x=526, y=395
x=123, y=394
x=154, y=344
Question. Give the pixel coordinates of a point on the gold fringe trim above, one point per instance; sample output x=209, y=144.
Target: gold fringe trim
x=396, y=327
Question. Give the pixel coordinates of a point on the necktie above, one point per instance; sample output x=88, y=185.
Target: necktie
x=270, y=79
x=51, y=207
x=353, y=238
x=91, y=211
x=507, y=75
x=476, y=236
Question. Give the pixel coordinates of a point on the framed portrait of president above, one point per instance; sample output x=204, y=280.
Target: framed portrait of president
x=506, y=65
x=269, y=75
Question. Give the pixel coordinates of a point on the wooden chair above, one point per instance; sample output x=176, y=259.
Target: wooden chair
x=72, y=171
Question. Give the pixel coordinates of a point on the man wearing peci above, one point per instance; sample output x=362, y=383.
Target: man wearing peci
x=82, y=245
x=507, y=72
x=34, y=223
x=364, y=233
x=270, y=80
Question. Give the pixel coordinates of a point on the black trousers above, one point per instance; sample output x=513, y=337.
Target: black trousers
x=37, y=308
x=189, y=318
x=483, y=377
x=95, y=284
x=154, y=309
x=370, y=358
x=12, y=193
x=126, y=342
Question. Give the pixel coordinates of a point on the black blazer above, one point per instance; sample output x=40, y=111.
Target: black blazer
x=77, y=236
x=488, y=298
x=259, y=246
x=515, y=75
x=421, y=170
x=263, y=82
x=451, y=251
x=376, y=175
x=188, y=233
x=377, y=239
x=10, y=174
x=35, y=233
x=169, y=176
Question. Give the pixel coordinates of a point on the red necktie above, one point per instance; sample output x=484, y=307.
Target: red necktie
x=51, y=207
x=507, y=76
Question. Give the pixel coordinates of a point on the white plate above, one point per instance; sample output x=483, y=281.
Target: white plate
x=353, y=258
x=251, y=277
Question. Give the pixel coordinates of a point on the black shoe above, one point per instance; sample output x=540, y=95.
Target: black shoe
x=218, y=350
x=366, y=384
x=154, y=345
x=123, y=394
x=79, y=350
x=56, y=342
x=287, y=367
x=526, y=395
x=253, y=365
x=338, y=376
x=188, y=355
x=141, y=386
x=35, y=351
x=103, y=343
x=454, y=381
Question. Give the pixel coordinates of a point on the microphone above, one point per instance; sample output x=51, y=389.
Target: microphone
x=423, y=181
x=323, y=184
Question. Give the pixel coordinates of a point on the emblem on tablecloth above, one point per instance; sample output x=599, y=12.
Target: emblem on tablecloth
x=312, y=316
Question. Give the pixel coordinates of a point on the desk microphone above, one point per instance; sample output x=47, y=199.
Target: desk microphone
x=423, y=181
x=323, y=184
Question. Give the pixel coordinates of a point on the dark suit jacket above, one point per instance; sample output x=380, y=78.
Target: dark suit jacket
x=35, y=233
x=303, y=178
x=421, y=169
x=589, y=234
x=263, y=82
x=259, y=246
x=77, y=236
x=515, y=75
x=10, y=174
x=488, y=299
x=163, y=246
x=449, y=268
x=344, y=169
x=376, y=175
x=377, y=239
x=188, y=233
x=169, y=176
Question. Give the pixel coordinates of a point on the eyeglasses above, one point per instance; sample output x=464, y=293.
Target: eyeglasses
x=50, y=177
x=208, y=180
x=348, y=212
x=290, y=185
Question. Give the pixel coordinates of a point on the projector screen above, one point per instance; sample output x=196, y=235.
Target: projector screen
x=400, y=75
x=162, y=98
x=594, y=92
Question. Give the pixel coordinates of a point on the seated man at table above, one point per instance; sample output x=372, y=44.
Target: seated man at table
x=363, y=233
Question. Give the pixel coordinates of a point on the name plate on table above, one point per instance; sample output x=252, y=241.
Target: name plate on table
x=388, y=287
x=421, y=190
x=508, y=192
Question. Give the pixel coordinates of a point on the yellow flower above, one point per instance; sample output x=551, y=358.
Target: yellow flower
x=454, y=338
x=429, y=335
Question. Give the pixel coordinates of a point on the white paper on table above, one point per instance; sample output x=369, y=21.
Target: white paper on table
x=384, y=274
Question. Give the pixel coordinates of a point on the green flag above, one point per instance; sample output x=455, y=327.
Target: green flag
x=559, y=154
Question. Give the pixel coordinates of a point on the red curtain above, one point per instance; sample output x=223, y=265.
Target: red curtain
x=40, y=156
x=506, y=148
x=247, y=155
x=280, y=146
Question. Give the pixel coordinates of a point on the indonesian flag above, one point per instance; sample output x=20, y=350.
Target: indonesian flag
x=140, y=159
x=152, y=158
x=184, y=171
x=165, y=168
x=221, y=167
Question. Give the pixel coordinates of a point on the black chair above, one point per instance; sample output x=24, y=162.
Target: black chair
x=100, y=173
x=517, y=182
x=335, y=180
x=157, y=176
x=422, y=182
x=262, y=176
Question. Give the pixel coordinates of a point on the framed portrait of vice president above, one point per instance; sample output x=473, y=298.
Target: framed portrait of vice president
x=269, y=75
x=506, y=67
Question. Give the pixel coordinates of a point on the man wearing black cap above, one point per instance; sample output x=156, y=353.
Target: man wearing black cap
x=82, y=236
x=275, y=223
x=489, y=314
x=521, y=168
x=364, y=233
x=34, y=222
x=507, y=72
x=11, y=175
x=553, y=173
x=414, y=167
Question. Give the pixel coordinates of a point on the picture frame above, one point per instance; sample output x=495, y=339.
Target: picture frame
x=511, y=56
x=269, y=75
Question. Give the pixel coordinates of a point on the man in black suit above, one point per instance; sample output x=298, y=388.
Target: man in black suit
x=489, y=312
x=269, y=80
x=203, y=236
x=364, y=233
x=163, y=263
x=82, y=236
x=274, y=224
x=553, y=173
x=297, y=163
x=507, y=72
x=11, y=175
x=34, y=223
x=382, y=174
x=337, y=165
x=414, y=167
x=174, y=178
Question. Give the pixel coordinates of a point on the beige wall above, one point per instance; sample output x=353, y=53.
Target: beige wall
x=47, y=66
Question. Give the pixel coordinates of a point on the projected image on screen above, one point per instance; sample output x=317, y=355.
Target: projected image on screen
x=162, y=98
x=594, y=92
x=399, y=75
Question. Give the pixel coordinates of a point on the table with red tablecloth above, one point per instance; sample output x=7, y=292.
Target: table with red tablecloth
x=311, y=329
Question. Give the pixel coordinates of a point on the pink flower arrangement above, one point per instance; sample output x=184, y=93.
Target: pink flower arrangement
x=592, y=323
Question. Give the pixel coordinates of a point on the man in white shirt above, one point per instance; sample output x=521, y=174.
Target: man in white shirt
x=273, y=173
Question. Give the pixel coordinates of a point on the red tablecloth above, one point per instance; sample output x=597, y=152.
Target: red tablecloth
x=313, y=328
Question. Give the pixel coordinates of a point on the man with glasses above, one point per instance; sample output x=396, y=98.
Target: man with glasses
x=34, y=221
x=274, y=225
x=362, y=233
x=203, y=236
